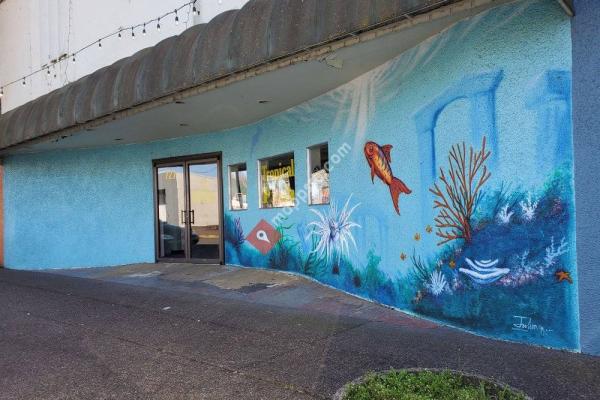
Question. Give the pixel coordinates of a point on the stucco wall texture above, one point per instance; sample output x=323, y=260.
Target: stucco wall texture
x=586, y=138
x=79, y=208
x=94, y=207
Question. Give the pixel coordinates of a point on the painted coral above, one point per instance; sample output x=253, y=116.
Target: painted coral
x=553, y=252
x=504, y=215
x=528, y=208
x=459, y=192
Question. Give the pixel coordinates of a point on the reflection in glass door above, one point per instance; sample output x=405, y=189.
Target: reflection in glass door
x=188, y=210
x=204, y=209
x=171, y=212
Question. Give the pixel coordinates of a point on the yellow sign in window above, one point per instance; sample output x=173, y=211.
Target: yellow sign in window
x=278, y=181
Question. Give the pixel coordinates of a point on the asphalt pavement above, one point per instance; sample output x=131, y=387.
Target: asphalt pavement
x=175, y=331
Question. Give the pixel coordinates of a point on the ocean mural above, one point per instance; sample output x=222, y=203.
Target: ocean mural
x=479, y=232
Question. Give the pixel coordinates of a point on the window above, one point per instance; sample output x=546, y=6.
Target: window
x=238, y=187
x=277, y=181
x=318, y=174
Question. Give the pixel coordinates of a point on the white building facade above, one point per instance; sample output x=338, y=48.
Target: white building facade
x=43, y=34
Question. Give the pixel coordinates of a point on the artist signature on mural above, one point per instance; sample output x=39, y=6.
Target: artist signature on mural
x=525, y=324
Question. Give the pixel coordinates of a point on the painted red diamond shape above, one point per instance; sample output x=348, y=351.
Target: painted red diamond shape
x=263, y=236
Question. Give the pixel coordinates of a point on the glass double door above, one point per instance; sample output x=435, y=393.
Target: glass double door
x=188, y=211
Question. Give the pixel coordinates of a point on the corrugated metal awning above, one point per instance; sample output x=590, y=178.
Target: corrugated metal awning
x=237, y=40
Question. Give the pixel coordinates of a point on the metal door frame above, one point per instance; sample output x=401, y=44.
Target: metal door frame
x=185, y=162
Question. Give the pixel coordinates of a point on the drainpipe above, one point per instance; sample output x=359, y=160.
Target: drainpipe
x=566, y=7
x=1, y=214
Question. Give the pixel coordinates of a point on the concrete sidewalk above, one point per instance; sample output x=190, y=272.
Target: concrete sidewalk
x=178, y=331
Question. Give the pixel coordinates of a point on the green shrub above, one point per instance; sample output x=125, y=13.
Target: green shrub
x=427, y=385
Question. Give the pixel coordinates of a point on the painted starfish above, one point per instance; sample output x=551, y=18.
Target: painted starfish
x=562, y=275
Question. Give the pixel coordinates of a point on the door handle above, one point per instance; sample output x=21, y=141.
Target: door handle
x=183, y=216
x=192, y=216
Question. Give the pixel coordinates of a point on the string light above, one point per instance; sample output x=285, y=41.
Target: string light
x=118, y=33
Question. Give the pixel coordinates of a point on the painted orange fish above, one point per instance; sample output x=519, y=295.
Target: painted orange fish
x=379, y=160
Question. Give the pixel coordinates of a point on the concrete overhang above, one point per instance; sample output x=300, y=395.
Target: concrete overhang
x=241, y=67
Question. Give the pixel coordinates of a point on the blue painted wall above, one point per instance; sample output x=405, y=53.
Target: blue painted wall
x=515, y=277
x=79, y=208
x=586, y=137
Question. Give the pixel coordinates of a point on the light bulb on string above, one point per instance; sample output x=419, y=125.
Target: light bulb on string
x=192, y=4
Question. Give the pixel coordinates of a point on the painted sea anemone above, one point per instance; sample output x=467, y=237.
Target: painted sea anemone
x=437, y=283
x=333, y=231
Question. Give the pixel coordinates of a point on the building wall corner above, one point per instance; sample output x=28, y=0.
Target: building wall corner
x=586, y=141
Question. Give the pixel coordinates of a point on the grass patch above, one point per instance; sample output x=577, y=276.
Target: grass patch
x=427, y=385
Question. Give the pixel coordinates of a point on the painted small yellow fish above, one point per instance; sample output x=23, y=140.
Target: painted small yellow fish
x=452, y=264
x=417, y=236
x=428, y=229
